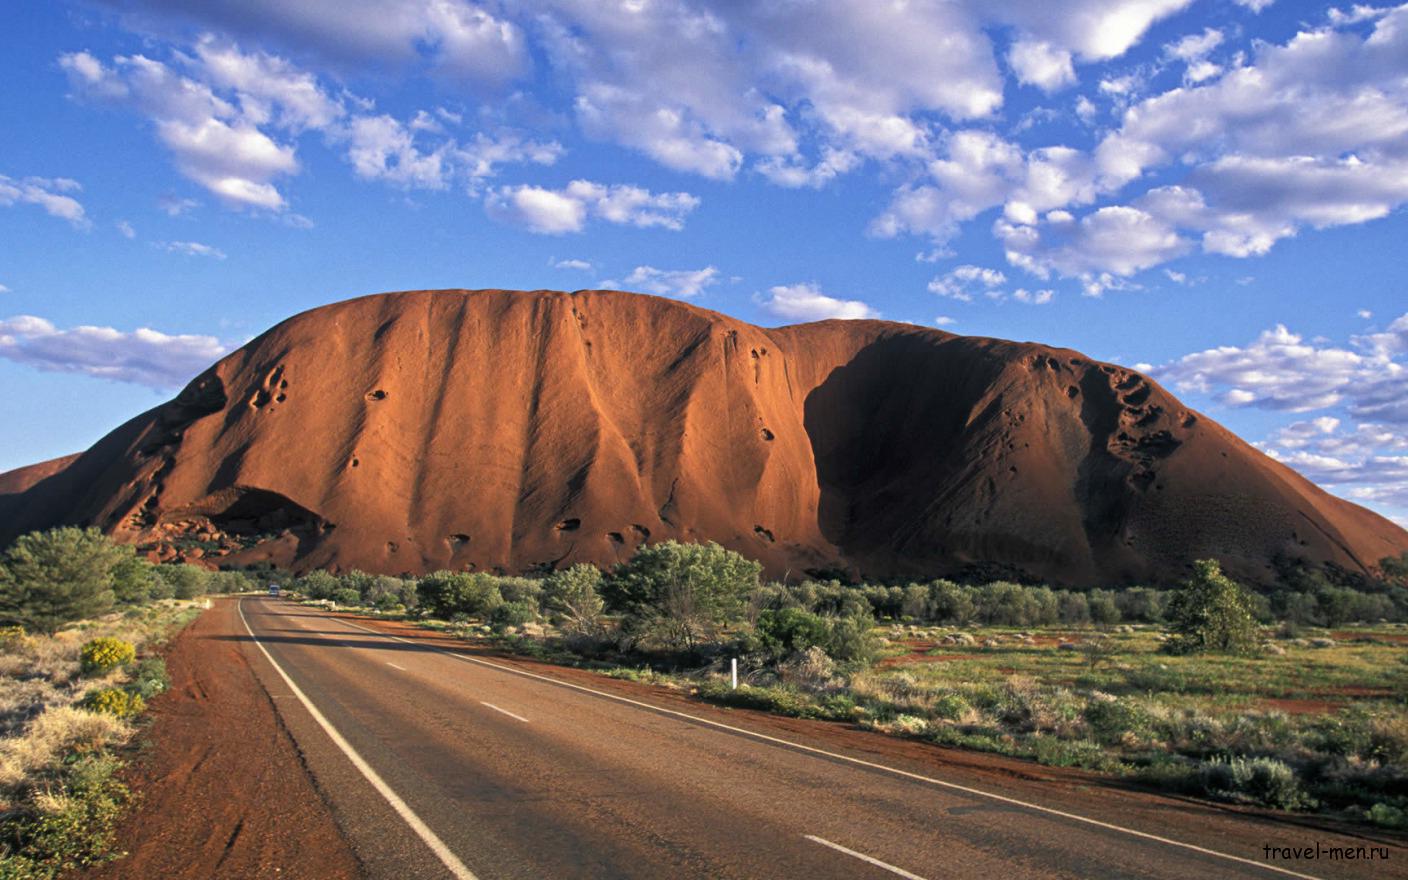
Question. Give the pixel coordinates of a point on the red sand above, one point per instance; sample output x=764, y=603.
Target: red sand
x=501, y=430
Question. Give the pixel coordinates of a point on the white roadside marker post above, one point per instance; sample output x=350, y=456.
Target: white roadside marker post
x=735, y=673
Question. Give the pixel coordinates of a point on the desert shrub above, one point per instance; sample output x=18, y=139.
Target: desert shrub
x=100, y=655
x=509, y=614
x=446, y=594
x=134, y=580
x=682, y=593
x=851, y=641
x=950, y=603
x=1008, y=604
x=1387, y=816
x=1211, y=612
x=573, y=597
x=811, y=669
x=386, y=592
x=317, y=585
x=1072, y=607
x=73, y=831
x=1103, y=606
x=782, y=632
x=114, y=701
x=346, y=596
x=149, y=678
x=1264, y=781
x=1141, y=604
x=48, y=579
x=951, y=707
x=1056, y=752
x=521, y=589
x=1113, y=721
x=359, y=582
x=12, y=638
x=184, y=581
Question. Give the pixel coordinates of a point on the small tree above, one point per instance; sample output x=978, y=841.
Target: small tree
x=682, y=593
x=573, y=595
x=133, y=579
x=1211, y=612
x=54, y=577
x=184, y=581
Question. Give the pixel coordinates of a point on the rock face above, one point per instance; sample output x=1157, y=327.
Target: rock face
x=518, y=430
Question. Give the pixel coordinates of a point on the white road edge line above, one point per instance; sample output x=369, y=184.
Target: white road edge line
x=394, y=666
x=863, y=857
x=954, y=786
x=437, y=846
x=504, y=711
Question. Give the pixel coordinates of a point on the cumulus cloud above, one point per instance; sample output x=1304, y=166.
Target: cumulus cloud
x=460, y=40
x=193, y=249
x=1367, y=462
x=1115, y=240
x=142, y=357
x=806, y=302
x=962, y=283
x=1041, y=65
x=213, y=142
x=554, y=212
x=945, y=321
x=576, y=265
x=1281, y=370
x=682, y=283
x=51, y=194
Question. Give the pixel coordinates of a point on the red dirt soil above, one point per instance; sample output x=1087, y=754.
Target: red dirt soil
x=512, y=430
x=223, y=791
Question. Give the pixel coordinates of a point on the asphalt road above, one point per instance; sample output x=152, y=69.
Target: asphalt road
x=442, y=765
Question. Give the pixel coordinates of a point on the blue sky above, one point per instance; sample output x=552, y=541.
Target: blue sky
x=1211, y=190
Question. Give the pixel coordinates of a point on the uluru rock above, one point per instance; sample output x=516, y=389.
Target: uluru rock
x=514, y=431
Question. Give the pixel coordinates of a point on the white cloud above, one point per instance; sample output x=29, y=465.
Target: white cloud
x=1033, y=297
x=945, y=321
x=174, y=206
x=566, y=210
x=4, y=289
x=1280, y=370
x=1364, y=313
x=576, y=265
x=806, y=302
x=213, y=142
x=1041, y=65
x=193, y=249
x=51, y=194
x=125, y=229
x=143, y=356
x=1116, y=240
x=1255, y=5
x=454, y=39
x=682, y=283
x=964, y=281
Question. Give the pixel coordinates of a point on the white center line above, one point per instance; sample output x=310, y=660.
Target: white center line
x=863, y=857
x=432, y=840
x=394, y=666
x=505, y=711
x=763, y=737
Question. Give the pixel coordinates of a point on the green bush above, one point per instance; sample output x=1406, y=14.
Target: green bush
x=1264, y=781
x=346, y=596
x=39, y=845
x=1111, y=721
x=184, y=581
x=1211, y=612
x=951, y=707
x=149, y=678
x=48, y=579
x=446, y=594
x=317, y=585
x=851, y=640
x=780, y=633
x=682, y=594
x=573, y=597
x=114, y=701
x=1388, y=816
x=512, y=614
x=100, y=655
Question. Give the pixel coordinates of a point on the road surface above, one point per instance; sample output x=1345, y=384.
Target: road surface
x=445, y=764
